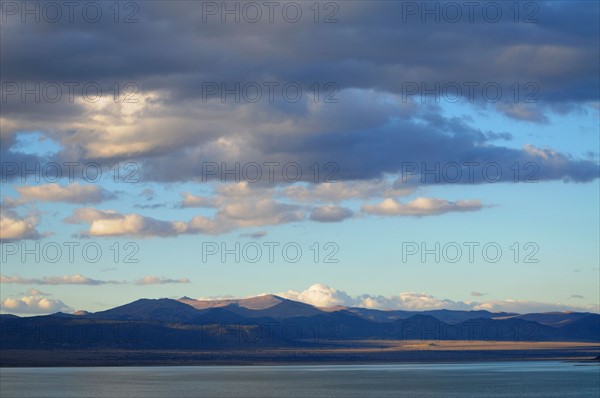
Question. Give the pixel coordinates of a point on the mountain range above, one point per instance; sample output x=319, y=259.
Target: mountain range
x=273, y=321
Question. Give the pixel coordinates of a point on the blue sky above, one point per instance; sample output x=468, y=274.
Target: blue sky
x=165, y=210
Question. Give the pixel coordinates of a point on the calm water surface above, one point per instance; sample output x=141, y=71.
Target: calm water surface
x=499, y=379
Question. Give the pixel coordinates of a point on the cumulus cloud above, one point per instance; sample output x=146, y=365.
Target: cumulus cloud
x=330, y=214
x=34, y=304
x=319, y=295
x=13, y=227
x=421, y=207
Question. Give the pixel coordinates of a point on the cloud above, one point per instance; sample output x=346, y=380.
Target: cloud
x=233, y=215
x=330, y=214
x=190, y=200
x=525, y=306
x=72, y=193
x=135, y=225
x=159, y=280
x=254, y=235
x=256, y=213
x=369, y=132
x=241, y=205
x=421, y=207
x=76, y=279
x=477, y=294
x=13, y=227
x=527, y=112
x=34, y=304
x=321, y=295
x=147, y=193
x=105, y=223
x=84, y=280
x=35, y=292
x=343, y=191
x=89, y=215
x=151, y=207
x=242, y=190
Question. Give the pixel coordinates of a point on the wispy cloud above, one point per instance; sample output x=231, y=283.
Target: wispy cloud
x=421, y=207
x=76, y=279
x=330, y=214
x=159, y=280
x=477, y=294
x=84, y=280
x=71, y=193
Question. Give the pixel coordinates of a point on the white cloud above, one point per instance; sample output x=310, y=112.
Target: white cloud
x=13, y=227
x=421, y=207
x=319, y=295
x=34, y=304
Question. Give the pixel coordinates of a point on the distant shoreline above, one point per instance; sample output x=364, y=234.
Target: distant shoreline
x=366, y=352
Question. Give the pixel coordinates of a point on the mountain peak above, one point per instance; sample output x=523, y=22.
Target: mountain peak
x=260, y=302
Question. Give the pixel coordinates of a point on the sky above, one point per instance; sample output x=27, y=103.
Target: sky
x=391, y=155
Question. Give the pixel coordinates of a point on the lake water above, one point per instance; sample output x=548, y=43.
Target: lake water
x=497, y=379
